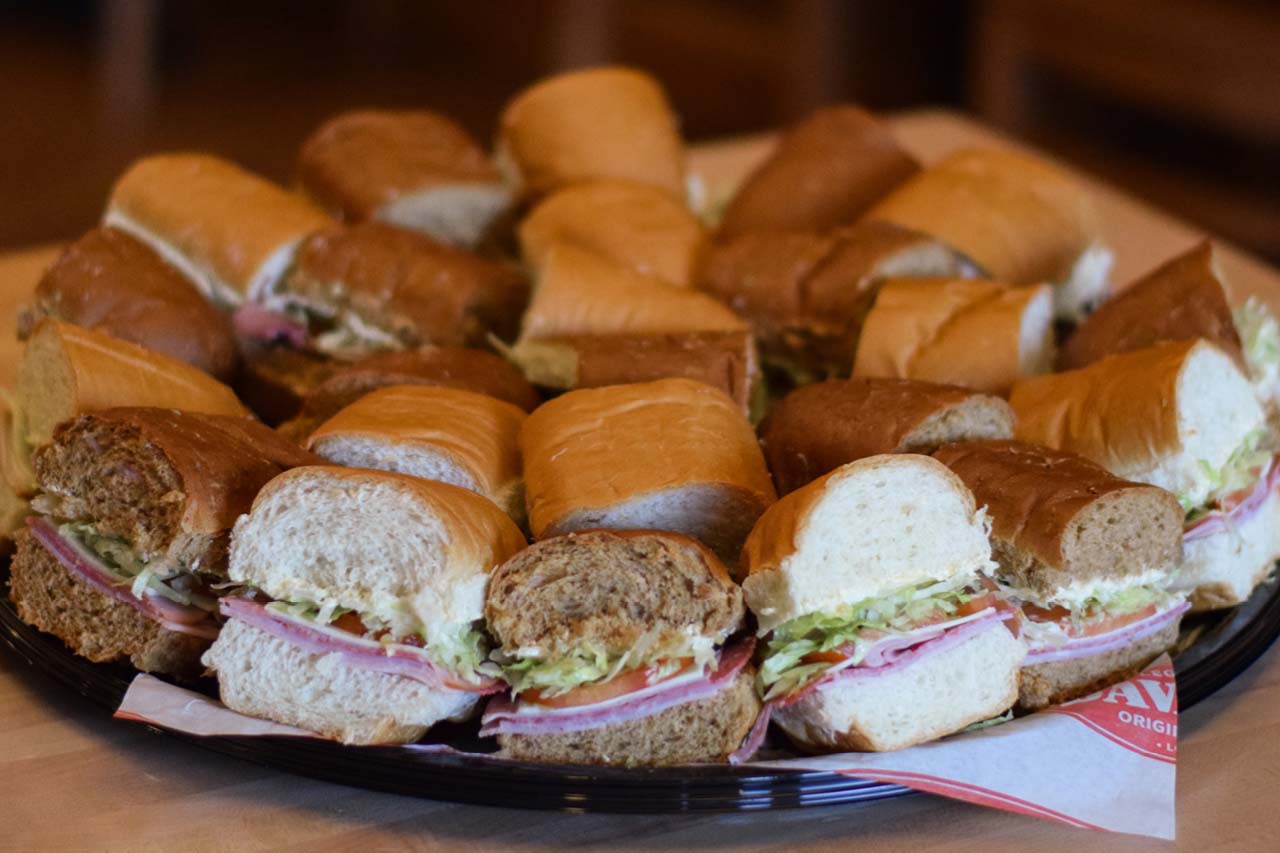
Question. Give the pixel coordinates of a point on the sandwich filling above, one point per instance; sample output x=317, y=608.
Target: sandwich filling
x=1247, y=469
x=1260, y=339
x=331, y=327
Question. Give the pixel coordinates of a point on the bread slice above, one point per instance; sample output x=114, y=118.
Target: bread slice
x=264, y=676
x=916, y=703
x=824, y=172
x=818, y=428
x=232, y=233
x=1058, y=519
x=674, y=454
x=638, y=226
x=20, y=272
x=868, y=528
x=1223, y=570
x=93, y=625
x=1043, y=684
x=413, y=169
x=1169, y=415
x=458, y=437
x=926, y=328
x=595, y=123
x=807, y=293
x=706, y=731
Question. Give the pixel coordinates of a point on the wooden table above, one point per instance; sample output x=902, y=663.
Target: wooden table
x=72, y=779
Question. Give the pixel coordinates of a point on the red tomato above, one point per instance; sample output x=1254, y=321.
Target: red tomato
x=1035, y=613
x=590, y=694
x=1237, y=497
x=349, y=622
x=976, y=605
x=1112, y=623
x=835, y=655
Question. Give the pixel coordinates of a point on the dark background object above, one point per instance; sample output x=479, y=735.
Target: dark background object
x=1174, y=99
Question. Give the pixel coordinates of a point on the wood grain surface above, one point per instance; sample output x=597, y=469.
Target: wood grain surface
x=72, y=779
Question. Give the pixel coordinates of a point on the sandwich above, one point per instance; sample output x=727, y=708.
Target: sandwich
x=724, y=360
x=20, y=272
x=807, y=293
x=673, y=455
x=354, y=290
x=636, y=225
x=1088, y=558
x=365, y=623
x=1020, y=219
x=880, y=625
x=109, y=281
x=230, y=232
x=969, y=332
x=127, y=554
x=446, y=434
x=1182, y=416
x=596, y=123
x=824, y=172
x=412, y=169
x=618, y=648
x=818, y=428
x=446, y=367
x=1182, y=299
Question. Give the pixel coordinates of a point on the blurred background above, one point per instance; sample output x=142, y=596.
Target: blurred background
x=1177, y=100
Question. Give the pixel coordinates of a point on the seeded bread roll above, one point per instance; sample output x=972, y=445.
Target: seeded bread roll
x=111, y=282
x=636, y=225
x=413, y=169
x=818, y=428
x=806, y=293
x=672, y=455
x=977, y=334
x=610, y=123
x=1059, y=519
x=20, y=272
x=232, y=233
x=825, y=171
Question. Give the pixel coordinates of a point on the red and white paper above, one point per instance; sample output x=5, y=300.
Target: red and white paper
x=1106, y=761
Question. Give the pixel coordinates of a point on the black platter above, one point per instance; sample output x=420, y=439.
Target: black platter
x=1216, y=648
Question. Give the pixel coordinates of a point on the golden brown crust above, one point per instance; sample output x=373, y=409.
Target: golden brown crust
x=20, y=272
x=820, y=427
x=356, y=162
x=111, y=282
x=825, y=171
x=1182, y=299
x=596, y=123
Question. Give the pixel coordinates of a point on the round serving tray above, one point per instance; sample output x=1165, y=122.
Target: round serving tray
x=1215, y=649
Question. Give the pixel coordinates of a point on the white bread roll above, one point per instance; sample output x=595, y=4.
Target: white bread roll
x=1222, y=569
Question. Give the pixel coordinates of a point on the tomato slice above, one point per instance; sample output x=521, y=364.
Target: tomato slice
x=590, y=694
x=1036, y=613
x=977, y=604
x=836, y=655
x=349, y=622
x=1239, y=496
x=1112, y=623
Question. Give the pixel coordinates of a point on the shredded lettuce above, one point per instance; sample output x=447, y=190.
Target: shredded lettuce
x=1238, y=472
x=588, y=663
x=1260, y=337
x=173, y=583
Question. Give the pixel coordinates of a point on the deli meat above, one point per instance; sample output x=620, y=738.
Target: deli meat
x=1102, y=643
x=262, y=324
x=502, y=716
x=1219, y=522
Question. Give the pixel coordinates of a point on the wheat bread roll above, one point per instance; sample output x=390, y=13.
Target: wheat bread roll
x=232, y=233
x=824, y=171
x=674, y=454
x=968, y=332
x=595, y=123
x=818, y=428
x=20, y=272
x=1044, y=684
x=414, y=169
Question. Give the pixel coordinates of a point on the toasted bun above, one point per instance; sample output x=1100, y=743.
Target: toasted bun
x=636, y=225
x=974, y=681
x=1168, y=415
x=668, y=455
x=265, y=676
x=926, y=328
x=1180, y=300
x=20, y=272
x=109, y=281
x=410, y=288
x=67, y=370
x=444, y=434
x=582, y=293
x=93, y=625
x=414, y=169
x=1058, y=519
x=824, y=172
x=414, y=552
x=596, y=123
x=169, y=483
x=1044, y=684
x=820, y=427
x=865, y=529
x=1222, y=570
x=229, y=231
x=707, y=731
x=807, y=293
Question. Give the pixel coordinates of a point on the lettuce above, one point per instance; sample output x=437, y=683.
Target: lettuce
x=1238, y=472
x=1260, y=338
x=141, y=577
x=588, y=663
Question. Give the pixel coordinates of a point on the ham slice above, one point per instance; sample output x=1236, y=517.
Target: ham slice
x=258, y=323
x=391, y=659
x=172, y=615
x=1103, y=643
x=503, y=716
x=1219, y=522
x=755, y=738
